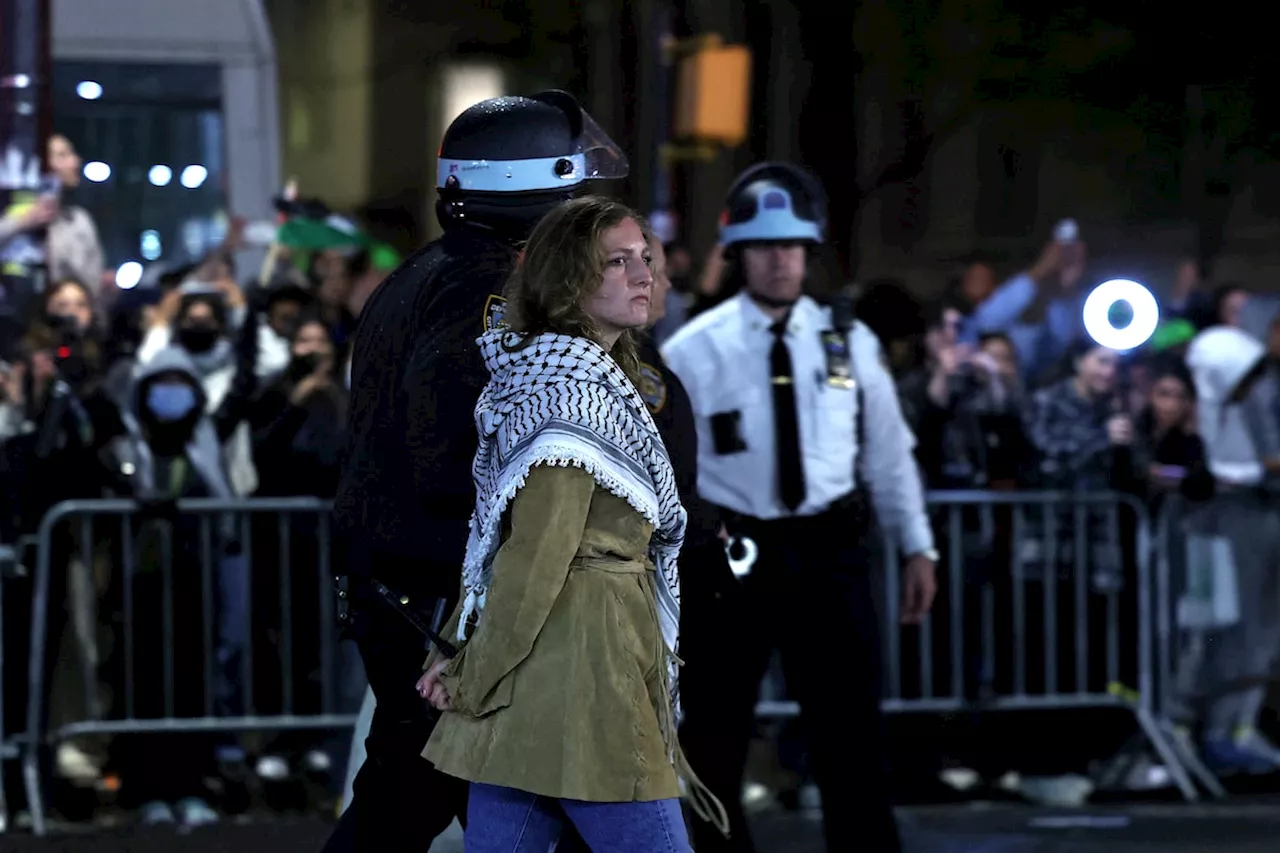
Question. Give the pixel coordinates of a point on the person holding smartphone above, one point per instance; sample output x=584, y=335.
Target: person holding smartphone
x=1166, y=435
x=66, y=231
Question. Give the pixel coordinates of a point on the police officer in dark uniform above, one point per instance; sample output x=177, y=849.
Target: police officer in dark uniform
x=712, y=685
x=406, y=492
x=797, y=423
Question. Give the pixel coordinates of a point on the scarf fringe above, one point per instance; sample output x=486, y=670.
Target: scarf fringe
x=703, y=803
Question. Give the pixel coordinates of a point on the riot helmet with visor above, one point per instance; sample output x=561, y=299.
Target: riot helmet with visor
x=506, y=161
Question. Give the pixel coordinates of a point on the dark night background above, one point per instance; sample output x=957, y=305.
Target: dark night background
x=1145, y=123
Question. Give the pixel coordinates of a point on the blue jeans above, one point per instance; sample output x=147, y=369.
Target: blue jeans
x=504, y=820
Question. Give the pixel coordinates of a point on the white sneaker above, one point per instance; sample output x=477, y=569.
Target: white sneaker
x=1067, y=791
x=756, y=796
x=317, y=761
x=76, y=765
x=961, y=779
x=810, y=798
x=156, y=813
x=272, y=768
x=1147, y=775
x=194, y=811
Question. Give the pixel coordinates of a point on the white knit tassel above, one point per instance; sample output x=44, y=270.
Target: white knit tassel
x=468, y=607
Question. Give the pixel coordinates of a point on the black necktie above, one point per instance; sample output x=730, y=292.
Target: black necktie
x=786, y=427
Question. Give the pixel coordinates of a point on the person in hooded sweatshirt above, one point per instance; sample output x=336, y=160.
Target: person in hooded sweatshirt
x=218, y=329
x=1236, y=533
x=171, y=452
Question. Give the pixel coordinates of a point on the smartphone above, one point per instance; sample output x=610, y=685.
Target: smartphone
x=1066, y=231
x=1171, y=472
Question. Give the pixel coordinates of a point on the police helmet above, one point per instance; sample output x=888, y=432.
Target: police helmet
x=510, y=159
x=774, y=202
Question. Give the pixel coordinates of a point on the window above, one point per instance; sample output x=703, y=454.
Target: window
x=151, y=138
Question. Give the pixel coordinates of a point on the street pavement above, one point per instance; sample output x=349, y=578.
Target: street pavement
x=1232, y=827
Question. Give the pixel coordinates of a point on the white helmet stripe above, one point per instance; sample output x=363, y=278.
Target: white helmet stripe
x=512, y=176
x=770, y=225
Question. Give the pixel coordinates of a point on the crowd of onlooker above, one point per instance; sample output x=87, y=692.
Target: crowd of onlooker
x=1006, y=391
x=197, y=382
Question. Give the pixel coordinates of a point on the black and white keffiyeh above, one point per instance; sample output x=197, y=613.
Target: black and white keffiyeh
x=561, y=400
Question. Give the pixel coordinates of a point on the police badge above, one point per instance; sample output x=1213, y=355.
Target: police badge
x=652, y=388
x=494, y=310
x=839, y=362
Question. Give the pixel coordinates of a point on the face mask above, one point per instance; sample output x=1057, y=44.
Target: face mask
x=303, y=366
x=170, y=403
x=65, y=326
x=198, y=339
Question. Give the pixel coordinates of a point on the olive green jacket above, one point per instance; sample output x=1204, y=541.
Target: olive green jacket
x=561, y=689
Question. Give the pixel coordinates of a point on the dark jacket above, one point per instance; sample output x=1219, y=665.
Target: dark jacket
x=704, y=570
x=406, y=494
x=297, y=448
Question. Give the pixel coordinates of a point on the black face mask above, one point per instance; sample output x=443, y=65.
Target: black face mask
x=198, y=339
x=302, y=366
x=65, y=326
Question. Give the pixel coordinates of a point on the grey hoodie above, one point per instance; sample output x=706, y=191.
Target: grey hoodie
x=1238, y=436
x=203, y=449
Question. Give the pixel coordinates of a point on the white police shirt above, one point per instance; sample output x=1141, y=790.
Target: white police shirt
x=722, y=357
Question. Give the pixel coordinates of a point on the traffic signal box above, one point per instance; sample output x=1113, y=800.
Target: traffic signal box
x=713, y=92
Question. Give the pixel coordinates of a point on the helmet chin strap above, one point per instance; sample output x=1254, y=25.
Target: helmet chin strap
x=511, y=220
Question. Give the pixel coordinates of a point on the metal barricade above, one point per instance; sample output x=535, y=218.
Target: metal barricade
x=13, y=559
x=1052, y=544
x=1046, y=602
x=155, y=551
x=1176, y=654
x=1033, y=623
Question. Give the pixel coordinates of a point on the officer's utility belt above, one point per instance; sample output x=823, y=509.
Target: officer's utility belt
x=850, y=515
x=425, y=625
x=851, y=506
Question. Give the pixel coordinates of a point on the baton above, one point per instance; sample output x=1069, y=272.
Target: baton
x=447, y=649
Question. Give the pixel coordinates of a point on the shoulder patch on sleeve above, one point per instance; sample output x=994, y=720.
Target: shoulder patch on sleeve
x=495, y=308
x=653, y=388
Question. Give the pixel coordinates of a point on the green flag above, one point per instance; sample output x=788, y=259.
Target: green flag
x=1172, y=333
x=318, y=235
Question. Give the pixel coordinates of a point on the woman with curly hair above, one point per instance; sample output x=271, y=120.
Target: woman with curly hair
x=561, y=700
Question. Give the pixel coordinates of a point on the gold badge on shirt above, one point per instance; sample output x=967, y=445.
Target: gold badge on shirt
x=495, y=307
x=653, y=389
x=839, y=363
